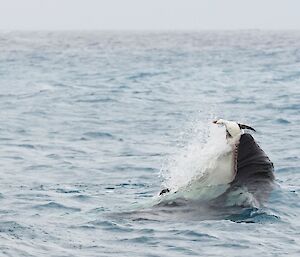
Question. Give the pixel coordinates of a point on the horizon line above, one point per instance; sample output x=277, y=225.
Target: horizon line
x=149, y=30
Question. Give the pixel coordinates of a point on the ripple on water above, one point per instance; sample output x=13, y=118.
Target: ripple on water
x=253, y=215
x=16, y=230
x=282, y=121
x=110, y=226
x=98, y=135
x=55, y=206
x=81, y=198
x=196, y=236
x=67, y=191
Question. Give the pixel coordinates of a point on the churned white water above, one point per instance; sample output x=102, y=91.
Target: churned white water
x=197, y=159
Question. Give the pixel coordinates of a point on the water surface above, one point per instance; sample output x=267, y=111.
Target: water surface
x=88, y=119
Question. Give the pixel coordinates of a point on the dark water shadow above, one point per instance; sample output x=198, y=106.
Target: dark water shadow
x=182, y=210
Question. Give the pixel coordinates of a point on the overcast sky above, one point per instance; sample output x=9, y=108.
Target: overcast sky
x=149, y=14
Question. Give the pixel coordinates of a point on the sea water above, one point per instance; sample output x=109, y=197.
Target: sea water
x=94, y=123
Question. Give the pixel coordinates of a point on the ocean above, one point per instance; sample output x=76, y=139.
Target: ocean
x=90, y=122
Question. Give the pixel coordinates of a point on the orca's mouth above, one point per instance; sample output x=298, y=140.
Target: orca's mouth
x=235, y=158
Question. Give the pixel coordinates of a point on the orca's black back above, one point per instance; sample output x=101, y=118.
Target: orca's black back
x=254, y=168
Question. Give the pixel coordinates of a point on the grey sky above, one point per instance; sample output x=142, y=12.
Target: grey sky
x=149, y=14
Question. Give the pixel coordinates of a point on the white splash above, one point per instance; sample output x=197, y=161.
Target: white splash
x=199, y=166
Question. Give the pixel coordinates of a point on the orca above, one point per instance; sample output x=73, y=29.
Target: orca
x=255, y=171
x=252, y=169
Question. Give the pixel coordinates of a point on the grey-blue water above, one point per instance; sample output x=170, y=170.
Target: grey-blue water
x=87, y=120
